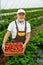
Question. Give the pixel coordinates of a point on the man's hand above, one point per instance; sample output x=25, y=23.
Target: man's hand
x=26, y=41
x=3, y=47
x=5, y=39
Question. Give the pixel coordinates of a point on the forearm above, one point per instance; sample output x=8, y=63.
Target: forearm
x=6, y=37
x=27, y=38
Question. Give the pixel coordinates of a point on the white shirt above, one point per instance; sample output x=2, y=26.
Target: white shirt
x=21, y=27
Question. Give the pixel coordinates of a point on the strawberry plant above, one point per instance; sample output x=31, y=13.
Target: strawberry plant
x=33, y=45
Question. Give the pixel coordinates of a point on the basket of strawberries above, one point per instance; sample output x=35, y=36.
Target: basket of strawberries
x=13, y=49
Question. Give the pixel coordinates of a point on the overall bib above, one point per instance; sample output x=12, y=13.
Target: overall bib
x=21, y=35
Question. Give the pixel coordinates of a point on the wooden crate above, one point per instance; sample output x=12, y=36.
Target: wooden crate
x=15, y=53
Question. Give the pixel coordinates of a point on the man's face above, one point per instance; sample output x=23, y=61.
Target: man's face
x=21, y=16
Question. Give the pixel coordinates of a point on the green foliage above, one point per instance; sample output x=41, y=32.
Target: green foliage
x=14, y=10
x=36, y=22
x=32, y=48
x=3, y=25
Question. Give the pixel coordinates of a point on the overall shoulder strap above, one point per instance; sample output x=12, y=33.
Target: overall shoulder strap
x=25, y=26
x=16, y=26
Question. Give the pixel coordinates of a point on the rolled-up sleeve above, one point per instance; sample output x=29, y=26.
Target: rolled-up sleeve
x=10, y=27
x=28, y=28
